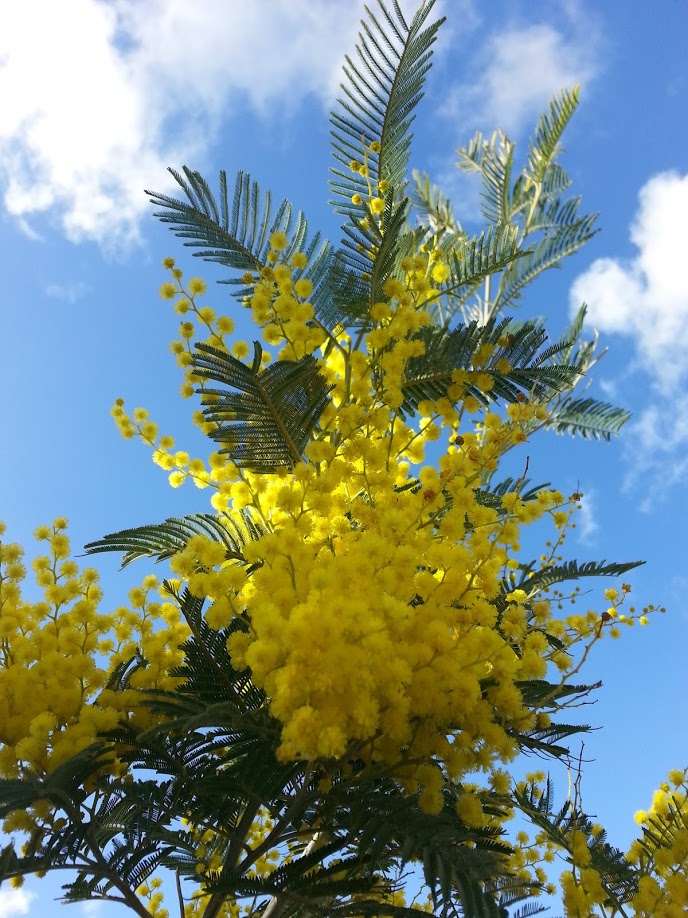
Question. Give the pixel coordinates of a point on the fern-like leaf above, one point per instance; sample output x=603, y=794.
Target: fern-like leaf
x=433, y=207
x=547, y=253
x=534, y=581
x=383, y=84
x=491, y=251
x=430, y=375
x=545, y=144
x=588, y=418
x=267, y=422
x=163, y=540
x=235, y=235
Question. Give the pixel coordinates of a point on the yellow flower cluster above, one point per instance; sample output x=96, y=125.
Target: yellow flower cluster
x=152, y=896
x=213, y=328
x=662, y=855
x=371, y=615
x=280, y=303
x=374, y=201
x=57, y=654
x=378, y=625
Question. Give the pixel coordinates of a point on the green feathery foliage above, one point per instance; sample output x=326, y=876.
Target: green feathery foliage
x=534, y=581
x=163, y=540
x=382, y=87
x=267, y=424
x=236, y=235
x=618, y=874
x=430, y=375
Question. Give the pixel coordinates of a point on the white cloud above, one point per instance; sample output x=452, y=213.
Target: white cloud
x=586, y=518
x=88, y=909
x=99, y=97
x=69, y=293
x=518, y=71
x=646, y=297
x=657, y=450
x=15, y=902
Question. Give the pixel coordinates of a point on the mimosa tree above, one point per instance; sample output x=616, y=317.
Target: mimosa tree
x=317, y=712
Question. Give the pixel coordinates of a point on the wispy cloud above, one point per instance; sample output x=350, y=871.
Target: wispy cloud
x=519, y=68
x=657, y=451
x=103, y=96
x=69, y=293
x=645, y=297
x=15, y=902
x=586, y=518
x=509, y=80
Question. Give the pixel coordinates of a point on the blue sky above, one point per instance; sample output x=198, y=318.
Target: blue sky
x=97, y=98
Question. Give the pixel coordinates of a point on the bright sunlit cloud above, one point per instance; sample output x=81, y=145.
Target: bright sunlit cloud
x=646, y=297
x=103, y=96
x=508, y=91
x=15, y=902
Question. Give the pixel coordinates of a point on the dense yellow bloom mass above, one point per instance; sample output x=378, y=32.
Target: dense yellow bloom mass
x=57, y=654
x=381, y=601
x=378, y=626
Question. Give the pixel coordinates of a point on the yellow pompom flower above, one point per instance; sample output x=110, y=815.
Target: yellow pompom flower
x=168, y=290
x=197, y=286
x=303, y=288
x=240, y=350
x=440, y=273
x=278, y=241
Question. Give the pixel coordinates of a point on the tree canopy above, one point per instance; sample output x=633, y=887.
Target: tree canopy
x=316, y=712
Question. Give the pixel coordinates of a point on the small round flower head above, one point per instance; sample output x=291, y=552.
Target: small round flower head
x=197, y=286
x=440, y=273
x=168, y=290
x=240, y=350
x=168, y=263
x=377, y=205
x=303, y=287
x=225, y=325
x=279, y=241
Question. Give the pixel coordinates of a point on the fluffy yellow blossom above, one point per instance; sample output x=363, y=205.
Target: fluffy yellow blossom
x=279, y=241
x=197, y=286
x=53, y=701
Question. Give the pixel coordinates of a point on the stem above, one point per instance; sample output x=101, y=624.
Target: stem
x=277, y=904
x=486, y=301
x=217, y=899
x=180, y=895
